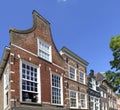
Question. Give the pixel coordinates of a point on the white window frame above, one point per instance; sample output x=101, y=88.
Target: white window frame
x=73, y=98
x=61, y=87
x=72, y=73
x=85, y=100
x=38, y=82
x=102, y=105
x=105, y=95
x=83, y=78
x=93, y=82
x=49, y=52
x=6, y=86
x=101, y=93
x=91, y=101
x=97, y=103
x=105, y=105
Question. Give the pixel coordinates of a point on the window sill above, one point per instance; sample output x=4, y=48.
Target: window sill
x=76, y=81
x=82, y=83
x=84, y=108
x=74, y=108
x=30, y=103
x=45, y=59
x=57, y=105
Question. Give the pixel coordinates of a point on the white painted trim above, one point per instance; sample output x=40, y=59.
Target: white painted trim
x=12, y=90
x=46, y=103
x=39, y=83
x=20, y=66
x=76, y=99
x=11, y=63
x=85, y=100
x=79, y=71
x=12, y=100
x=11, y=81
x=51, y=84
x=38, y=76
x=34, y=54
x=23, y=49
x=12, y=72
x=73, y=59
x=12, y=54
x=50, y=48
x=6, y=87
x=58, y=66
x=62, y=100
x=75, y=72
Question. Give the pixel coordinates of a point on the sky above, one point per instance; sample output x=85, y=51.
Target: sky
x=83, y=26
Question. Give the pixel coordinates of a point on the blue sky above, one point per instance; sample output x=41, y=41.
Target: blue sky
x=84, y=26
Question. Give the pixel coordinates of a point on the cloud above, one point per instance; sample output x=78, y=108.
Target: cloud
x=61, y=0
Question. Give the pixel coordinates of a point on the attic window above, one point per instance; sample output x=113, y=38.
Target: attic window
x=44, y=50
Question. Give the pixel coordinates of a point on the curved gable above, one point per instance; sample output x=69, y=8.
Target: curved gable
x=27, y=39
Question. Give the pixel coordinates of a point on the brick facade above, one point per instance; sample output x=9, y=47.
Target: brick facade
x=107, y=94
x=80, y=65
x=62, y=82
x=24, y=47
x=118, y=103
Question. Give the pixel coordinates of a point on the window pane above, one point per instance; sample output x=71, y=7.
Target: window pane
x=73, y=100
x=29, y=83
x=44, y=50
x=82, y=77
x=56, y=89
x=83, y=100
x=72, y=72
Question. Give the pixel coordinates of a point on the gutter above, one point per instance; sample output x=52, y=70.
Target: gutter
x=4, y=60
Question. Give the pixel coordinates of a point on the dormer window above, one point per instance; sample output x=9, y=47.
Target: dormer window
x=44, y=50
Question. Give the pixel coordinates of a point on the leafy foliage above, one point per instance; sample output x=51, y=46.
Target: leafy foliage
x=114, y=79
x=110, y=76
x=115, y=47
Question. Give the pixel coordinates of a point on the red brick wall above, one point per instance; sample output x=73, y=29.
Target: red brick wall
x=73, y=85
x=28, y=40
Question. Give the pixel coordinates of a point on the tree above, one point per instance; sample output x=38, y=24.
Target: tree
x=110, y=76
x=115, y=47
x=114, y=80
x=114, y=77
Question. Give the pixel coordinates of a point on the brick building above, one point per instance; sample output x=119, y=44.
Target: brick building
x=32, y=70
x=118, y=103
x=76, y=96
x=108, y=97
x=103, y=91
x=34, y=75
x=93, y=91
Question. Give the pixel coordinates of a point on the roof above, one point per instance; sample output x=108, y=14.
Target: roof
x=100, y=77
x=74, y=56
x=4, y=60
